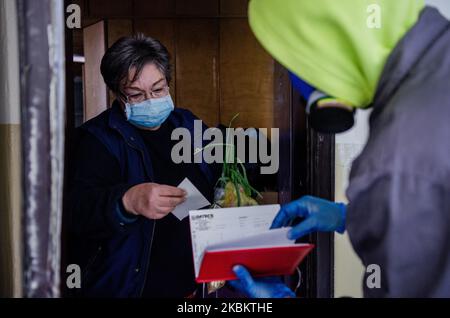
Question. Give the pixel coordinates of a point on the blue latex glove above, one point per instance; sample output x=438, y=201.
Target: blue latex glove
x=268, y=287
x=319, y=215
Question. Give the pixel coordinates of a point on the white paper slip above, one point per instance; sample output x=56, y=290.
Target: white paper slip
x=194, y=200
x=215, y=226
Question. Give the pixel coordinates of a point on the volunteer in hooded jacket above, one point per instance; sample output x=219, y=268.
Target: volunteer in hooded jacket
x=392, y=57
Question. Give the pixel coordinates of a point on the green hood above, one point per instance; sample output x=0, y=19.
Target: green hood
x=329, y=44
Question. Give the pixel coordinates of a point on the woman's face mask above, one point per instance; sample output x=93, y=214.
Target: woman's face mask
x=150, y=113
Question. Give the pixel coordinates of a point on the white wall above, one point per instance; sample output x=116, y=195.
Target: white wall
x=9, y=64
x=348, y=267
x=442, y=5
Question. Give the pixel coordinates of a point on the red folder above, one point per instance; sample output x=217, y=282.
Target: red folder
x=262, y=261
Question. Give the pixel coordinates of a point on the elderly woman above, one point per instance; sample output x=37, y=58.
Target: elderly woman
x=123, y=190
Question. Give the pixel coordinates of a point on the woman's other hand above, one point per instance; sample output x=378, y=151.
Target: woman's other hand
x=152, y=200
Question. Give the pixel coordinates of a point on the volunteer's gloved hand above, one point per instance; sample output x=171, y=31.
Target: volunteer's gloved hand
x=319, y=215
x=268, y=287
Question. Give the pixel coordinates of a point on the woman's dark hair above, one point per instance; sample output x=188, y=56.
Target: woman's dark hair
x=133, y=53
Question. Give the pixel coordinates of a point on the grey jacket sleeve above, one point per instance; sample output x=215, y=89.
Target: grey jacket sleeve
x=402, y=224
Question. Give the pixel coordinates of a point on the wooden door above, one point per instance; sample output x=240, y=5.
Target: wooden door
x=96, y=39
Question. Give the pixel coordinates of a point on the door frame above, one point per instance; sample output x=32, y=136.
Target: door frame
x=306, y=168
